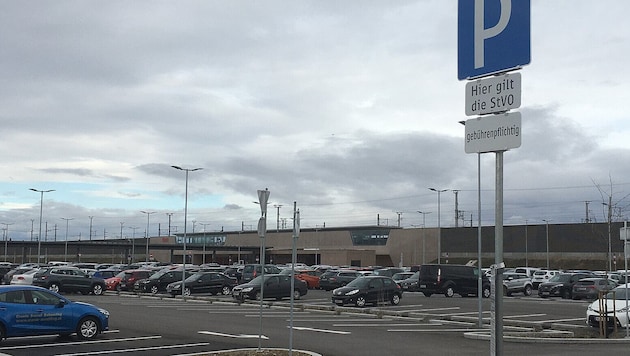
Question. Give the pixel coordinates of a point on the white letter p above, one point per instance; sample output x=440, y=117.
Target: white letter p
x=481, y=33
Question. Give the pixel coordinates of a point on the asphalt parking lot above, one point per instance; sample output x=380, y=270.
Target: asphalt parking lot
x=161, y=325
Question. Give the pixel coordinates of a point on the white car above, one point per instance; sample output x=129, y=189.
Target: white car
x=24, y=278
x=542, y=276
x=616, y=309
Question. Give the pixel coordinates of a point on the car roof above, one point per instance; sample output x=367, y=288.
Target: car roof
x=13, y=287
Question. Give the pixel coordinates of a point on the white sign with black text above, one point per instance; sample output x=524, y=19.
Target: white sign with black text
x=493, y=133
x=494, y=94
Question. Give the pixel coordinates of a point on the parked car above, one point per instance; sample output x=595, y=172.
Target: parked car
x=252, y=271
x=368, y=290
x=450, y=279
x=338, y=278
x=542, y=276
x=113, y=283
x=6, y=279
x=561, y=285
x=310, y=276
x=614, y=303
x=529, y=271
x=400, y=276
x=410, y=284
x=68, y=279
x=203, y=282
x=590, y=288
x=106, y=273
x=517, y=283
x=158, y=281
x=234, y=271
x=23, y=308
x=276, y=286
x=24, y=278
x=388, y=271
x=129, y=277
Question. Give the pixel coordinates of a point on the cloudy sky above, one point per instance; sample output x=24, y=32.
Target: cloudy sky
x=349, y=108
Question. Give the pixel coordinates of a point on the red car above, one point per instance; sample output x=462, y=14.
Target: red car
x=310, y=277
x=125, y=279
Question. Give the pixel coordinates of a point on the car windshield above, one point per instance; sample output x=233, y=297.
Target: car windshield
x=157, y=275
x=618, y=293
x=360, y=282
x=120, y=275
x=560, y=278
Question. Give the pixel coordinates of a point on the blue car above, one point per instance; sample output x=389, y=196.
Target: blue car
x=29, y=310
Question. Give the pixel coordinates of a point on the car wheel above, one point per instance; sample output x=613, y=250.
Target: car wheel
x=3, y=333
x=427, y=294
x=257, y=296
x=505, y=291
x=528, y=290
x=395, y=299
x=360, y=302
x=118, y=288
x=97, y=289
x=226, y=290
x=88, y=328
x=54, y=287
x=154, y=289
x=486, y=292
x=187, y=291
x=449, y=292
x=296, y=294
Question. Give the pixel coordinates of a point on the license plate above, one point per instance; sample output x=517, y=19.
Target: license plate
x=423, y=286
x=544, y=293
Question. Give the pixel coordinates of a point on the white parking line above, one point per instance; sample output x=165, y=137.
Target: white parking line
x=322, y=330
x=522, y=316
x=240, y=336
x=166, y=347
x=81, y=342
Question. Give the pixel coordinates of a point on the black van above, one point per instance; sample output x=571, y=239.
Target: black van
x=451, y=279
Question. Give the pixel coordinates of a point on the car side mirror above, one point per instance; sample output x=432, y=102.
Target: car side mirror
x=62, y=303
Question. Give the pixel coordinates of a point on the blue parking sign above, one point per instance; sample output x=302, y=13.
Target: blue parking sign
x=492, y=36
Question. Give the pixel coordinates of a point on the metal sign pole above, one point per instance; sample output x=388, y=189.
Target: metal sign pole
x=497, y=347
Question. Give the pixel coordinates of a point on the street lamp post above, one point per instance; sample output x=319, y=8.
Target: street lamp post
x=146, y=257
x=439, y=241
x=65, y=256
x=6, y=238
x=133, y=243
x=203, y=257
x=424, y=227
x=187, y=170
x=547, y=229
x=41, y=209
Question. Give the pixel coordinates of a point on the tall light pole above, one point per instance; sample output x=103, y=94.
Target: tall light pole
x=547, y=229
x=133, y=243
x=439, y=242
x=187, y=170
x=277, y=206
x=424, y=227
x=66, y=244
x=6, y=238
x=203, y=258
x=41, y=209
x=146, y=256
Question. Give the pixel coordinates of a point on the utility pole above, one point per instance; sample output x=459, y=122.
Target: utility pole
x=456, y=208
x=399, y=213
x=277, y=206
x=91, y=217
x=587, y=220
x=169, y=223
